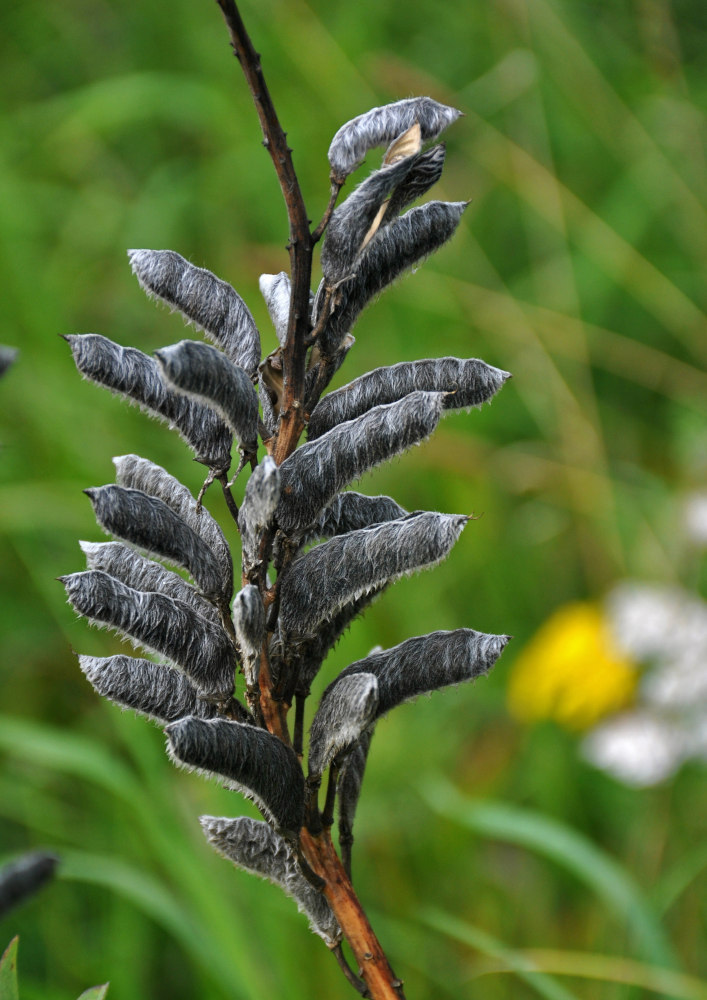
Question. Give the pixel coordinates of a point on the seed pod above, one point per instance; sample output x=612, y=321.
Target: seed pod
x=348, y=789
x=153, y=689
x=249, y=621
x=394, y=249
x=466, y=383
x=330, y=366
x=139, y=474
x=131, y=373
x=252, y=761
x=426, y=171
x=7, y=357
x=128, y=566
x=270, y=417
x=202, y=372
x=151, y=525
x=254, y=846
x=347, y=708
x=320, y=469
x=275, y=289
x=427, y=663
x=259, y=503
x=351, y=222
x=318, y=584
x=350, y=511
x=22, y=878
x=382, y=125
x=203, y=299
x=160, y=624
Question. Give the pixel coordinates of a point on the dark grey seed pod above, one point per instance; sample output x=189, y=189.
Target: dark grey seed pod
x=251, y=760
x=160, y=624
x=131, y=373
x=426, y=664
x=128, y=566
x=205, y=373
x=352, y=769
x=318, y=584
x=153, y=689
x=350, y=511
x=7, y=357
x=320, y=469
x=426, y=171
x=255, y=847
x=151, y=525
x=331, y=367
x=351, y=221
x=348, y=707
x=275, y=289
x=394, y=249
x=203, y=299
x=258, y=508
x=380, y=126
x=468, y=382
x=139, y=474
x=249, y=619
x=21, y=878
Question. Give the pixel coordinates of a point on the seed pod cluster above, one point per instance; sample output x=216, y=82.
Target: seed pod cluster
x=314, y=553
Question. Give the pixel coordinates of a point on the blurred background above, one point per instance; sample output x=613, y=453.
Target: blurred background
x=541, y=833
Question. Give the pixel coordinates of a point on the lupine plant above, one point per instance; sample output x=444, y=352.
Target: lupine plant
x=228, y=670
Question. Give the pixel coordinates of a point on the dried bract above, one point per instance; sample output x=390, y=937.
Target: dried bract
x=204, y=300
x=255, y=847
x=251, y=760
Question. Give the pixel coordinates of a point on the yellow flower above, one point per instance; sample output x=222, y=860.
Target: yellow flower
x=571, y=671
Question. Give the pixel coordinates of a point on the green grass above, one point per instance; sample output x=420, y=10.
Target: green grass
x=579, y=268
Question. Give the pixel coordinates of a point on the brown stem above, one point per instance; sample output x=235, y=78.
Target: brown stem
x=300, y=245
x=374, y=969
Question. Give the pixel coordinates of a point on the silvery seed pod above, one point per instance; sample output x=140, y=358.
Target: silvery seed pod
x=348, y=707
x=203, y=299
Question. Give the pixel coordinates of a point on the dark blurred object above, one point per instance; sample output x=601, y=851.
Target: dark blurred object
x=22, y=878
x=7, y=356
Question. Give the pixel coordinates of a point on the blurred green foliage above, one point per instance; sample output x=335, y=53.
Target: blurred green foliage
x=578, y=267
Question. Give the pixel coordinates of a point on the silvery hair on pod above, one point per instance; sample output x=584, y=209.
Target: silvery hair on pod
x=160, y=624
x=465, y=382
x=204, y=300
x=256, y=847
x=320, y=469
x=319, y=583
x=140, y=474
x=260, y=501
x=348, y=706
x=149, y=524
x=275, y=289
x=205, y=373
x=249, y=622
x=425, y=172
x=382, y=125
x=131, y=373
x=252, y=760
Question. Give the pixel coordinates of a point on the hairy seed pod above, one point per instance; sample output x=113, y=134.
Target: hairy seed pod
x=318, y=584
x=151, y=525
x=275, y=289
x=380, y=126
x=131, y=373
x=427, y=663
x=21, y=878
x=204, y=300
x=352, y=220
x=326, y=367
x=139, y=474
x=400, y=245
x=350, y=511
x=249, y=621
x=347, y=708
x=161, y=625
x=128, y=566
x=203, y=372
x=7, y=357
x=259, y=504
x=255, y=847
x=425, y=173
x=252, y=761
x=154, y=689
x=468, y=382
x=320, y=469
x=352, y=769
x=270, y=417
